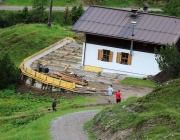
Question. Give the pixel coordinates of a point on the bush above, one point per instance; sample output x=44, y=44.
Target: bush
x=9, y=72
x=173, y=8
x=168, y=59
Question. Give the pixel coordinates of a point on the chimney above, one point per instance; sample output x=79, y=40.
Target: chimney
x=134, y=11
x=145, y=8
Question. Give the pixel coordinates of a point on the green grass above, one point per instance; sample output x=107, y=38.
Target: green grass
x=29, y=2
x=57, y=17
x=26, y=116
x=156, y=115
x=119, y=3
x=24, y=40
x=39, y=129
x=91, y=134
x=138, y=82
x=109, y=3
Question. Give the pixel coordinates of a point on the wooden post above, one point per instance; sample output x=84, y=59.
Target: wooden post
x=42, y=85
x=51, y=88
x=24, y=78
x=46, y=87
x=32, y=82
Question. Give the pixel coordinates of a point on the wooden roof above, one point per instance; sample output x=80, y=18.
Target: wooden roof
x=116, y=23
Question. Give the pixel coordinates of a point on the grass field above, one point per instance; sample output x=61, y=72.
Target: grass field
x=26, y=116
x=109, y=3
x=138, y=82
x=24, y=40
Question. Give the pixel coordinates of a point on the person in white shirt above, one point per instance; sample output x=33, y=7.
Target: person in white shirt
x=110, y=91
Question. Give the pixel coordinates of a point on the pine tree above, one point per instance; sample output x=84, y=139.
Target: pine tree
x=9, y=72
x=76, y=13
x=80, y=11
x=73, y=14
x=25, y=15
x=67, y=17
x=38, y=10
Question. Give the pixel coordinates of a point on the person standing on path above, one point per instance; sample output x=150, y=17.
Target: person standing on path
x=54, y=105
x=118, y=96
x=110, y=91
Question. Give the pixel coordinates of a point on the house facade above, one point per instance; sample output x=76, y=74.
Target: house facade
x=113, y=44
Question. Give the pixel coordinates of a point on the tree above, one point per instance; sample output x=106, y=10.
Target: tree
x=66, y=17
x=74, y=17
x=9, y=72
x=38, y=10
x=173, y=8
x=168, y=59
x=76, y=13
x=80, y=11
x=25, y=15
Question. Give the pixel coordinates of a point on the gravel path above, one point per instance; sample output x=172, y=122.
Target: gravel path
x=70, y=126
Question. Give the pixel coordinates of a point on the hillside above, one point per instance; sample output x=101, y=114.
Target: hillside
x=28, y=116
x=155, y=116
x=23, y=40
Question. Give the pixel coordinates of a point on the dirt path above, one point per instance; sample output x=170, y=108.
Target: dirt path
x=70, y=126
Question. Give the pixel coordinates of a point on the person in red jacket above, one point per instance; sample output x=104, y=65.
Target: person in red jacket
x=118, y=96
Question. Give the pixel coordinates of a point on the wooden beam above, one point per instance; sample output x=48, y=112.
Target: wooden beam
x=71, y=79
x=66, y=67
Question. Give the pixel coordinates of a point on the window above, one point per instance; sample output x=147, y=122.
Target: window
x=105, y=55
x=123, y=58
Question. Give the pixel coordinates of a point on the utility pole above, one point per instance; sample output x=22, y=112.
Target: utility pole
x=50, y=13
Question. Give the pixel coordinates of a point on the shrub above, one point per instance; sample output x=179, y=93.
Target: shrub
x=9, y=72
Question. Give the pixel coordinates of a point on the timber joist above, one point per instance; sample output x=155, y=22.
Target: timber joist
x=69, y=52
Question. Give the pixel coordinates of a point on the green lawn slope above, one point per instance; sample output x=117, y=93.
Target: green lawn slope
x=155, y=116
x=27, y=116
x=23, y=40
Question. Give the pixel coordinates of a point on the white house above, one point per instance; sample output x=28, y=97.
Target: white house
x=121, y=41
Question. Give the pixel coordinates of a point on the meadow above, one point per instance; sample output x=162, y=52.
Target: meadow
x=28, y=116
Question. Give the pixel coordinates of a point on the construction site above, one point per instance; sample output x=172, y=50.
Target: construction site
x=58, y=68
x=62, y=61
